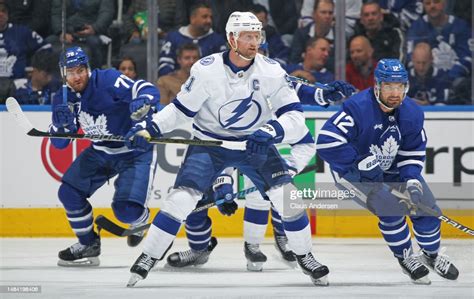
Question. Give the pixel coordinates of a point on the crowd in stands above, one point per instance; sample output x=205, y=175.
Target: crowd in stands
x=432, y=37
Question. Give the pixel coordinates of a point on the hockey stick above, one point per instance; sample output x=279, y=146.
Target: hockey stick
x=15, y=109
x=104, y=223
x=410, y=205
x=63, y=41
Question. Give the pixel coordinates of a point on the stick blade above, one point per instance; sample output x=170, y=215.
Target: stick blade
x=15, y=110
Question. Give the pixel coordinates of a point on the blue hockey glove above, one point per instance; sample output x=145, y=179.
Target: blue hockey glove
x=337, y=90
x=63, y=118
x=415, y=189
x=139, y=108
x=260, y=141
x=223, y=190
x=138, y=136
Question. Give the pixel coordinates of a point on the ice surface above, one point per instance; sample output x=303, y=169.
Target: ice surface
x=358, y=268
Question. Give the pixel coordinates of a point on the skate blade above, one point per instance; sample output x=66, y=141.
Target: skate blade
x=255, y=266
x=84, y=262
x=134, y=278
x=423, y=280
x=322, y=281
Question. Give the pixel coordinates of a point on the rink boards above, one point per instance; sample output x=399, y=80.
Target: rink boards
x=30, y=170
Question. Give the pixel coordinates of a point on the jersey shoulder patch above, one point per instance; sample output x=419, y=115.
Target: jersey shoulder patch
x=269, y=60
x=207, y=60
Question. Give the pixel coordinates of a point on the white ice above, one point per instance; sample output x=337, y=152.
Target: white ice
x=358, y=268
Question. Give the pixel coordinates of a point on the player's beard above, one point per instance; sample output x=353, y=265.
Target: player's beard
x=248, y=53
x=393, y=101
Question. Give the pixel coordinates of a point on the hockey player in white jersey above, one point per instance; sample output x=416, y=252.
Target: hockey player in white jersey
x=378, y=137
x=199, y=225
x=231, y=96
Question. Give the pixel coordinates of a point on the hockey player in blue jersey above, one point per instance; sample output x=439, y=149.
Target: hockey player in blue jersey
x=231, y=96
x=98, y=102
x=377, y=137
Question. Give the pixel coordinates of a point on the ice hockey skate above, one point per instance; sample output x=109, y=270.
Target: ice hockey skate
x=310, y=266
x=413, y=267
x=191, y=257
x=441, y=264
x=79, y=255
x=140, y=268
x=255, y=258
x=281, y=244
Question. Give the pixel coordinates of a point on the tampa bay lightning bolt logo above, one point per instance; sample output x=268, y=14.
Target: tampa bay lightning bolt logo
x=207, y=60
x=240, y=114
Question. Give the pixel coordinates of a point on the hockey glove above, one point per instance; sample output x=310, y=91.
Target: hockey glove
x=139, y=108
x=415, y=189
x=138, y=136
x=260, y=141
x=336, y=91
x=366, y=172
x=63, y=118
x=223, y=190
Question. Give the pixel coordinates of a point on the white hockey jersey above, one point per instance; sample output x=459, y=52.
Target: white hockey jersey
x=230, y=106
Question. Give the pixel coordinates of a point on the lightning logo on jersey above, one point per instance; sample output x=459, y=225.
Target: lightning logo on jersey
x=240, y=114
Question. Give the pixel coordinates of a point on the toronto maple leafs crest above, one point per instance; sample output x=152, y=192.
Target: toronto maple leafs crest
x=97, y=127
x=386, y=153
x=240, y=114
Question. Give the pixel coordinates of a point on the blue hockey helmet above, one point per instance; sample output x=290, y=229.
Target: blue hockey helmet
x=390, y=71
x=73, y=57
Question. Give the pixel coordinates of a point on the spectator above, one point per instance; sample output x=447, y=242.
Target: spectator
x=428, y=85
x=17, y=44
x=407, y=11
x=171, y=16
x=448, y=37
x=198, y=31
x=283, y=16
x=313, y=67
x=276, y=48
x=36, y=14
x=85, y=22
x=169, y=85
x=360, y=70
x=323, y=14
x=352, y=14
x=42, y=86
x=382, y=31
x=128, y=67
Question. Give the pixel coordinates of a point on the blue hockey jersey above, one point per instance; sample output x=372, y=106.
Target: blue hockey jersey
x=322, y=76
x=17, y=43
x=25, y=94
x=397, y=140
x=449, y=44
x=103, y=107
x=208, y=44
x=434, y=87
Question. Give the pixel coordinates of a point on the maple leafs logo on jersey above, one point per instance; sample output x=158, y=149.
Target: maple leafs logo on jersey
x=97, y=127
x=6, y=63
x=387, y=153
x=444, y=57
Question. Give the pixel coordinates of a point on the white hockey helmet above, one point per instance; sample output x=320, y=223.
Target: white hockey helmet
x=241, y=21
